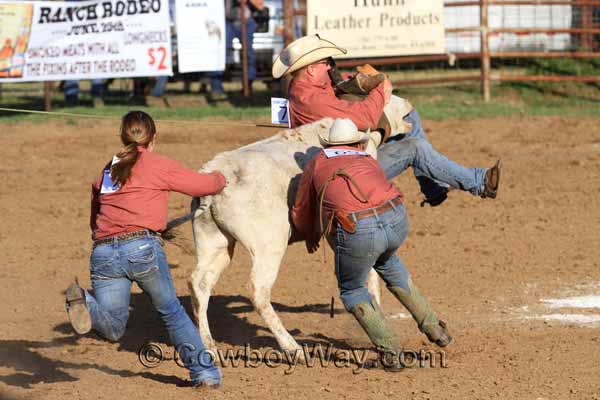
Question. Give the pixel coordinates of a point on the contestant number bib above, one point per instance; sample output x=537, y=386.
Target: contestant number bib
x=331, y=153
x=108, y=186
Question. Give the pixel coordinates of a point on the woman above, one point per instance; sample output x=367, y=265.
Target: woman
x=129, y=207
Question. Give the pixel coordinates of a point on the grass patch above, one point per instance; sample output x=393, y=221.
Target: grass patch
x=433, y=102
x=507, y=99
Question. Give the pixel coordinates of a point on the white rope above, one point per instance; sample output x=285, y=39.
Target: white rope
x=76, y=115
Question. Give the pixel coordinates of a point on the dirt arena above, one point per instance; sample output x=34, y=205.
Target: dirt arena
x=486, y=266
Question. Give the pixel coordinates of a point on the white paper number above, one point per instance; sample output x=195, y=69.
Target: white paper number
x=108, y=186
x=280, y=111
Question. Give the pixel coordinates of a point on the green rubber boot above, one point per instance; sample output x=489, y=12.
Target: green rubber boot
x=371, y=319
x=423, y=314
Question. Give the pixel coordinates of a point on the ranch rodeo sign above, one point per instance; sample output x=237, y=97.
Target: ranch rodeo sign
x=379, y=28
x=48, y=40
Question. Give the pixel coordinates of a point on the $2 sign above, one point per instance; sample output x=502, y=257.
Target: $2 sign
x=157, y=57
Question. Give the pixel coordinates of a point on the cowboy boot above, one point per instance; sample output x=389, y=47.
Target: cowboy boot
x=371, y=319
x=492, y=181
x=360, y=84
x=77, y=309
x=367, y=69
x=423, y=314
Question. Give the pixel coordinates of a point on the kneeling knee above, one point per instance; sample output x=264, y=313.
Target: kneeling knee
x=114, y=334
x=420, y=145
x=354, y=297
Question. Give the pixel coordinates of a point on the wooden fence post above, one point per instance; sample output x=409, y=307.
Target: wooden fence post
x=245, y=45
x=587, y=21
x=288, y=37
x=48, y=86
x=485, y=51
x=288, y=22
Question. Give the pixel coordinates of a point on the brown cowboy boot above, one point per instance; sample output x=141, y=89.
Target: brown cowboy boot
x=367, y=69
x=423, y=314
x=360, y=84
x=492, y=181
x=373, y=322
x=77, y=310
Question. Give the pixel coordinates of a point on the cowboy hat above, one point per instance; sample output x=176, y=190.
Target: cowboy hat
x=302, y=52
x=343, y=131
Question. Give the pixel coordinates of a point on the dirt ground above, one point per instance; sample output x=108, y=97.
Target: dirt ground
x=486, y=266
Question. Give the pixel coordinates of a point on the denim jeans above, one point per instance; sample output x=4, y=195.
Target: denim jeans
x=433, y=170
x=160, y=86
x=373, y=245
x=235, y=31
x=71, y=88
x=113, y=268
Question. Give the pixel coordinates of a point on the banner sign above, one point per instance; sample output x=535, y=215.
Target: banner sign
x=200, y=35
x=379, y=28
x=49, y=40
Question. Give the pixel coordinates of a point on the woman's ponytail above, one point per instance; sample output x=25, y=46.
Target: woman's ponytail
x=120, y=171
x=137, y=130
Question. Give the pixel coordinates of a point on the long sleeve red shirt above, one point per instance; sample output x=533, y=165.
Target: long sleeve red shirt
x=310, y=103
x=340, y=195
x=141, y=203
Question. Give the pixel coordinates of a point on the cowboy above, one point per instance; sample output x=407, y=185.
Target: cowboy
x=314, y=93
x=364, y=220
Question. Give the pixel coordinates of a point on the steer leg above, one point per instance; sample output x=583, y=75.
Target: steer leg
x=373, y=286
x=265, y=267
x=214, y=250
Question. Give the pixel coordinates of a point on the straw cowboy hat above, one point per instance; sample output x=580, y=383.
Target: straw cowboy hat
x=302, y=52
x=342, y=131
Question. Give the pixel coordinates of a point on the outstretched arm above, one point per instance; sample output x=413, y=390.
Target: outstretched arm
x=304, y=211
x=184, y=180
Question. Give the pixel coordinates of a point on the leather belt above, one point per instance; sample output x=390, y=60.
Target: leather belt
x=371, y=212
x=123, y=237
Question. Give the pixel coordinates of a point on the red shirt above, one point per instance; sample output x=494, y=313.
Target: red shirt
x=141, y=203
x=340, y=194
x=310, y=103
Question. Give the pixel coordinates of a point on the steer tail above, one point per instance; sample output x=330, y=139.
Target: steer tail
x=199, y=205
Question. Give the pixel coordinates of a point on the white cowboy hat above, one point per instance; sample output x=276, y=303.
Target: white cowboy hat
x=302, y=52
x=343, y=131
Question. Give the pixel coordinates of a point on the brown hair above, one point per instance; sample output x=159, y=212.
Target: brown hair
x=137, y=129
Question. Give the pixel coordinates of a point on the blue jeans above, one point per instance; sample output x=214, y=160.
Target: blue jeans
x=113, y=268
x=373, y=245
x=235, y=31
x=160, y=86
x=71, y=88
x=433, y=170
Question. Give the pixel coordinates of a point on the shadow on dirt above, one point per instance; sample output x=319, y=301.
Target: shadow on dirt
x=228, y=328
x=32, y=368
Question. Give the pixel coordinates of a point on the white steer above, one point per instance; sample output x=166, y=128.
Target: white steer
x=254, y=210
